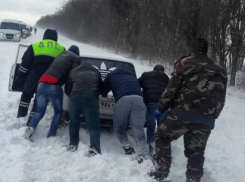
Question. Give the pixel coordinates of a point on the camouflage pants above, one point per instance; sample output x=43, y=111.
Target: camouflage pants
x=195, y=140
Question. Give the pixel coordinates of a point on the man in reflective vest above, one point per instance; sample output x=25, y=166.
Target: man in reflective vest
x=35, y=61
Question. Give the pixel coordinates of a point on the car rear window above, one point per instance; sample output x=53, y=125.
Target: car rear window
x=106, y=66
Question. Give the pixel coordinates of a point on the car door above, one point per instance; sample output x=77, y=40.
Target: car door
x=15, y=67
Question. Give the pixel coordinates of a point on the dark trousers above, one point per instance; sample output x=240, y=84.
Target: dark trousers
x=195, y=140
x=29, y=89
x=45, y=93
x=25, y=100
x=88, y=105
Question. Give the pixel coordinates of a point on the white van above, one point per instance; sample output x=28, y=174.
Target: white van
x=10, y=30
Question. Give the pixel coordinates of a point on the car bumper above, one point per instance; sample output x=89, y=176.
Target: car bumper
x=104, y=122
x=14, y=38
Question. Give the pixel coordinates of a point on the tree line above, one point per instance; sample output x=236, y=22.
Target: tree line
x=157, y=30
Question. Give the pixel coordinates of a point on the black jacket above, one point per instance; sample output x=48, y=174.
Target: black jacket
x=61, y=66
x=84, y=79
x=153, y=84
x=34, y=66
x=122, y=83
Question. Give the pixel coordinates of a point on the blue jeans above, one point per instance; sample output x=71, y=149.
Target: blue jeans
x=45, y=93
x=151, y=117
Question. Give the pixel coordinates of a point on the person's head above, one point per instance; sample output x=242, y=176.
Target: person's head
x=199, y=46
x=159, y=68
x=74, y=49
x=50, y=34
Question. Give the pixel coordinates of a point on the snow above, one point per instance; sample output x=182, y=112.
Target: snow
x=47, y=160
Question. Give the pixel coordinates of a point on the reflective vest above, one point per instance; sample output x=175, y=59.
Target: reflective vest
x=47, y=48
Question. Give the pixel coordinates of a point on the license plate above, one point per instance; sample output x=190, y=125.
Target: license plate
x=106, y=105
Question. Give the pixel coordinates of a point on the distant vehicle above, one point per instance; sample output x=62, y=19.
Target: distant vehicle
x=29, y=29
x=105, y=63
x=25, y=29
x=10, y=30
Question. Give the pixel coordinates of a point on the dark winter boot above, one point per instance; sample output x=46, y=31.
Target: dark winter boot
x=22, y=112
x=129, y=150
x=160, y=176
x=141, y=159
x=50, y=135
x=64, y=120
x=72, y=148
x=192, y=176
x=192, y=180
x=92, y=152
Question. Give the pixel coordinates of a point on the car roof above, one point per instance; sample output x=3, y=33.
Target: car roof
x=10, y=21
x=22, y=23
x=107, y=56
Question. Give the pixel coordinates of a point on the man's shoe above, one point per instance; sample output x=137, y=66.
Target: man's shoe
x=50, y=135
x=192, y=176
x=72, y=148
x=28, y=133
x=129, y=150
x=63, y=124
x=192, y=180
x=160, y=176
x=92, y=152
x=19, y=115
x=141, y=159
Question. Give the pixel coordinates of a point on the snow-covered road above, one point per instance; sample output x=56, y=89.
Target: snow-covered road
x=47, y=160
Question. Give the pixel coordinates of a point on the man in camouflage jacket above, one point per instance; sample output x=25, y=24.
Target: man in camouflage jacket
x=195, y=96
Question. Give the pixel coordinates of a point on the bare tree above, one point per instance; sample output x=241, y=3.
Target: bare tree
x=237, y=35
x=158, y=31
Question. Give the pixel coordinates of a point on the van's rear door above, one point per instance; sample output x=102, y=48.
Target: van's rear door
x=15, y=67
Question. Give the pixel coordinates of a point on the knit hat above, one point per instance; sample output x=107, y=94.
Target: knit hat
x=199, y=45
x=74, y=49
x=50, y=34
x=159, y=68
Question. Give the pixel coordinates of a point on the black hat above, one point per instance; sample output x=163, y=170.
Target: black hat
x=199, y=45
x=159, y=68
x=74, y=49
x=50, y=34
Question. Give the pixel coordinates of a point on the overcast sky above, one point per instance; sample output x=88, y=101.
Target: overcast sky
x=28, y=11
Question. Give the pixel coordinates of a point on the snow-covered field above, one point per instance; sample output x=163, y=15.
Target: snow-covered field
x=47, y=160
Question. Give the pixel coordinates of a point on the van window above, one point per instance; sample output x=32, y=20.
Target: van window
x=8, y=25
x=106, y=66
x=22, y=26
